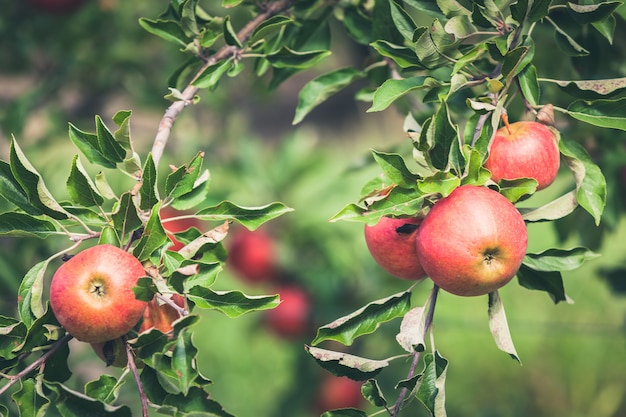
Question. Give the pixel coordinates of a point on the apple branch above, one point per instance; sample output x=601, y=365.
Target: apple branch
x=171, y=114
x=133, y=368
x=35, y=365
x=416, y=355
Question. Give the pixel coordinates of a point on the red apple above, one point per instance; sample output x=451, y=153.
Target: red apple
x=391, y=243
x=338, y=392
x=92, y=295
x=161, y=316
x=291, y=319
x=57, y=6
x=252, y=256
x=178, y=225
x=472, y=242
x=112, y=352
x=524, y=150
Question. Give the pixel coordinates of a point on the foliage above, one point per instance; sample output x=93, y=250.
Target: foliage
x=455, y=68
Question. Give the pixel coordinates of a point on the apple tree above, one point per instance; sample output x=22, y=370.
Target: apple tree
x=458, y=70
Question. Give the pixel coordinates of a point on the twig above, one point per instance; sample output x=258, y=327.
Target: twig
x=172, y=112
x=39, y=362
x=133, y=368
x=416, y=355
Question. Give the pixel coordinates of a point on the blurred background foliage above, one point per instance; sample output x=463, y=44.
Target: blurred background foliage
x=57, y=68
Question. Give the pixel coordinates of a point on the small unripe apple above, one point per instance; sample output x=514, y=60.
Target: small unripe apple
x=252, y=256
x=112, y=352
x=391, y=243
x=161, y=316
x=472, y=242
x=292, y=317
x=92, y=295
x=524, y=150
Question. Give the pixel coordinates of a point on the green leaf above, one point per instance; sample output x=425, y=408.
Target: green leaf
x=399, y=202
x=391, y=90
x=30, y=304
x=395, y=169
x=231, y=303
x=57, y=368
x=431, y=390
x=148, y=194
x=365, y=320
x=401, y=55
x=13, y=332
x=590, y=182
x=12, y=190
x=499, y=326
x=529, y=84
x=212, y=74
x=538, y=9
x=549, y=281
x=344, y=364
x=553, y=210
x=29, y=400
x=603, y=113
x=105, y=389
x=371, y=392
x=153, y=237
x=250, y=217
x=196, y=403
x=169, y=30
x=514, y=62
x=122, y=134
x=321, y=88
x=71, y=403
x=514, y=190
x=80, y=188
x=87, y=143
x=183, y=361
x=230, y=36
x=566, y=42
x=413, y=330
x=269, y=27
x=188, y=21
x=591, y=89
x=125, y=218
x=109, y=146
x=584, y=14
x=32, y=184
x=288, y=58
x=446, y=147
x=402, y=20
x=21, y=224
x=559, y=259
x=184, y=179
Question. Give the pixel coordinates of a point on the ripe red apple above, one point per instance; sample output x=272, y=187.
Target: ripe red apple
x=57, y=6
x=112, y=352
x=91, y=294
x=524, y=150
x=472, y=242
x=252, y=256
x=175, y=226
x=292, y=317
x=391, y=243
x=338, y=392
x=161, y=316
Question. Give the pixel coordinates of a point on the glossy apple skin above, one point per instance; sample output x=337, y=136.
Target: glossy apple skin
x=291, y=318
x=530, y=150
x=252, y=256
x=161, y=316
x=472, y=242
x=391, y=243
x=91, y=294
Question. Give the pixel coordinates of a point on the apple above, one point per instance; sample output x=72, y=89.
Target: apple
x=112, y=352
x=178, y=225
x=57, y=6
x=291, y=318
x=161, y=316
x=252, y=256
x=524, y=150
x=338, y=392
x=92, y=296
x=472, y=242
x=391, y=243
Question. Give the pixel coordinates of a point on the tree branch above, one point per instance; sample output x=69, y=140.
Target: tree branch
x=133, y=368
x=172, y=112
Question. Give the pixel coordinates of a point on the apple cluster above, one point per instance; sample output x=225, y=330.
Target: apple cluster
x=471, y=242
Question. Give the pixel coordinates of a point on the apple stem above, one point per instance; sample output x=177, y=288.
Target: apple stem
x=133, y=368
x=505, y=120
x=180, y=310
x=430, y=314
x=38, y=363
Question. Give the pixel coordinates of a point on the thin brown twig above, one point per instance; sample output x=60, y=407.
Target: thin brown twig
x=133, y=368
x=172, y=112
x=416, y=355
x=38, y=363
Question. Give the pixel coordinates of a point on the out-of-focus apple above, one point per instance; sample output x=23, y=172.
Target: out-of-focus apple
x=92, y=295
x=524, y=150
x=338, y=392
x=292, y=317
x=252, y=256
x=161, y=316
x=472, y=242
x=178, y=225
x=391, y=243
